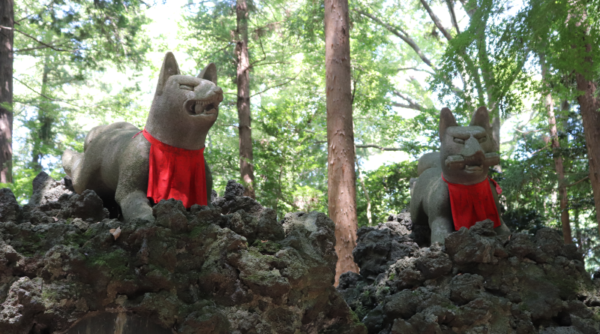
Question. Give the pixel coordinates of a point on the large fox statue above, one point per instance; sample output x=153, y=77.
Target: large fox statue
x=453, y=188
x=166, y=159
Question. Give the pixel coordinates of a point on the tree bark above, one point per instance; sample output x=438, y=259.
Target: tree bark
x=589, y=104
x=243, y=98
x=340, y=134
x=558, y=160
x=7, y=18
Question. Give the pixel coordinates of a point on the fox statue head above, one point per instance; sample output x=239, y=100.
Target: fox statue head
x=467, y=152
x=184, y=107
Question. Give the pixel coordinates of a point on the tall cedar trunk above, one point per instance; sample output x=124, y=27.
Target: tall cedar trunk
x=558, y=160
x=340, y=134
x=7, y=17
x=243, y=99
x=589, y=104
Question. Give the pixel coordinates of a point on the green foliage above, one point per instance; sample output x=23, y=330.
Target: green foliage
x=85, y=32
x=524, y=220
x=288, y=100
x=22, y=185
x=530, y=184
x=388, y=188
x=289, y=160
x=489, y=57
x=61, y=49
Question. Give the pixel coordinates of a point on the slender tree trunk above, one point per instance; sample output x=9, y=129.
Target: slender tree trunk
x=7, y=18
x=340, y=134
x=45, y=120
x=578, y=231
x=558, y=160
x=589, y=104
x=243, y=99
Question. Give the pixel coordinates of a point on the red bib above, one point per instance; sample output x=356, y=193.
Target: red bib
x=176, y=173
x=472, y=204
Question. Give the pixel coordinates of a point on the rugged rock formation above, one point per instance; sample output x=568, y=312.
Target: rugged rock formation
x=66, y=267
x=479, y=283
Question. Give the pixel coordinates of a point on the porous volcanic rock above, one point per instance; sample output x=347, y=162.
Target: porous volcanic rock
x=46, y=189
x=65, y=267
x=478, y=283
x=9, y=207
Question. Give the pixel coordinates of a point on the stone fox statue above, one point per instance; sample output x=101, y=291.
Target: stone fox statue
x=164, y=161
x=453, y=188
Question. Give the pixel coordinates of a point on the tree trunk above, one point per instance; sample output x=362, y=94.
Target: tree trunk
x=7, y=18
x=578, y=231
x=340, y=134
x=589, y=104
x=558, y=160
x=243, y=98
x=45, y=121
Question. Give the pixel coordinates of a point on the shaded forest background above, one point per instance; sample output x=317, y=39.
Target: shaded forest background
x=81, y=63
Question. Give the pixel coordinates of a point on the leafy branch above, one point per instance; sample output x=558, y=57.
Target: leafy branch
x=37, y=40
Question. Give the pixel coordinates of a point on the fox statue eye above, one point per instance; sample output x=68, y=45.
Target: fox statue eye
x=186, y=87
x=458, y=140
x=483, y=139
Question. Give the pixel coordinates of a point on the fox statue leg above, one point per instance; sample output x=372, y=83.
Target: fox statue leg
x=437, y=206
x=133, y=181
x=430, y=206
x=440, y=228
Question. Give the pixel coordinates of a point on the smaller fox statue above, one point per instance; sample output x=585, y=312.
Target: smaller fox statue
x=165, y=160
x=453, y=189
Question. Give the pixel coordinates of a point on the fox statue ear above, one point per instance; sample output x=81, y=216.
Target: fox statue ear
x=209, y=73
x=481, y=118
x=446, y=119
x=169, y=68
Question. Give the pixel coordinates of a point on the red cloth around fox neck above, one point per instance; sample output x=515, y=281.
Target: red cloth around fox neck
x=472, y=203
x=176, y=173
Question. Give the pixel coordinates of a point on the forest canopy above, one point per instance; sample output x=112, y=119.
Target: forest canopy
x=82, y=63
